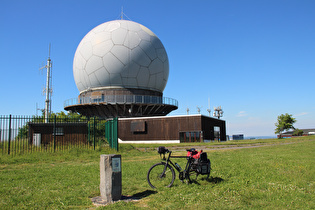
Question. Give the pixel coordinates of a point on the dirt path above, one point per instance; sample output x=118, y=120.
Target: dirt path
x=220, y=147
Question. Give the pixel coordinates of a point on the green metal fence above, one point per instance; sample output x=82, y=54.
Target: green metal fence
x=111, y=133
x=24, y=134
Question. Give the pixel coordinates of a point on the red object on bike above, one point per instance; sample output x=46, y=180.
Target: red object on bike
x=194, y=154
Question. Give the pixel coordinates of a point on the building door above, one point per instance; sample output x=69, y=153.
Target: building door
x=216, y=133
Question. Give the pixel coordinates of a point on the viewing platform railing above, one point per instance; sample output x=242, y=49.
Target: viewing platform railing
x=122, y=99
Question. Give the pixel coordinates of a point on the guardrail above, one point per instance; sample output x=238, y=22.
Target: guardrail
x=122, y=99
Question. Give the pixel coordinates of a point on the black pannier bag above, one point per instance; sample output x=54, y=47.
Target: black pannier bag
x=204, y=164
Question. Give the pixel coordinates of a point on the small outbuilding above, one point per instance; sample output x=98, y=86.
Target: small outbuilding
x=306, y=132
x=62, y=133
x=171, y=129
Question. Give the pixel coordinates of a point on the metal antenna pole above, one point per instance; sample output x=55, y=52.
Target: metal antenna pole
x=122, y=13
x=209, y=110
x=48, y=88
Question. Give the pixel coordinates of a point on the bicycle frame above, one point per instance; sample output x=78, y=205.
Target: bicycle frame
x=169, y=162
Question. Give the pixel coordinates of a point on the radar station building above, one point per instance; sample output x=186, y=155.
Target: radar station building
x=121, y=69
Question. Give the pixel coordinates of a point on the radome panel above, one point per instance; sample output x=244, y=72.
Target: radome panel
x=121, y=53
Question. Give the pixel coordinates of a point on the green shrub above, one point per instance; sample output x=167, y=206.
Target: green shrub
x=297, y=132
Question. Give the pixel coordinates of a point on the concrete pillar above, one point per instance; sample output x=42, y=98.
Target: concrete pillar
x=110, y=177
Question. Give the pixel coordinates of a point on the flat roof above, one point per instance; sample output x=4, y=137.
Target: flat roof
x=158, y=117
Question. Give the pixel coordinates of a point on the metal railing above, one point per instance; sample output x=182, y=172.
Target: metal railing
x=26, y=134
x=122, y=99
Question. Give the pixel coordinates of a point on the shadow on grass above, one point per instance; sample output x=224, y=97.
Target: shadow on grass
x=144, y=194
x=139, y=195
x=215, y=180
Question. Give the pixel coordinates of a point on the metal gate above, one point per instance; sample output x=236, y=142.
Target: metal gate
x=111, y=133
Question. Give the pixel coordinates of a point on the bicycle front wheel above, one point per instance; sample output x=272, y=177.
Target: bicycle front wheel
x=160, y=176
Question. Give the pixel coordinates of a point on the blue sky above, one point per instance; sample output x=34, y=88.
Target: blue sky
x=256, y=59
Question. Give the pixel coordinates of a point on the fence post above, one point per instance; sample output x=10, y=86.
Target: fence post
x=88, y=133
x=54, y=133
x=108, y=134
x=94, y=132
x=115, y=133
x=9, y=143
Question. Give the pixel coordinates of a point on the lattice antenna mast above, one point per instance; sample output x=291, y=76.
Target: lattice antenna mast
x=48, y=89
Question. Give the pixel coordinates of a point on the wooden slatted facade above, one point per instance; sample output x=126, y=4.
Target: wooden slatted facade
x=66, y=133
x=188, y=128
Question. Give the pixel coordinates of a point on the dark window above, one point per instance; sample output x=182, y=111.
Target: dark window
x=59, y=131
x=138, y=127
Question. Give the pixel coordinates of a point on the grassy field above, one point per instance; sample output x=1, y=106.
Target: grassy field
x=279, y=174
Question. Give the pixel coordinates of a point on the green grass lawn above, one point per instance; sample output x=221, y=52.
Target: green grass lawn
x=279, y=175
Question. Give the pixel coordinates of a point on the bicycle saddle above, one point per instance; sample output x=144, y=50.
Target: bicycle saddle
x=191, y=150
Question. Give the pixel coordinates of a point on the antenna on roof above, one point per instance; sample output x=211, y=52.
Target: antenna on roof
x=122, y=13
x=209, y=110
x=217, y=112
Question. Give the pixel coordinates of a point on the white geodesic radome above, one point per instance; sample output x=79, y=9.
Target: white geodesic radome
x=120, y=54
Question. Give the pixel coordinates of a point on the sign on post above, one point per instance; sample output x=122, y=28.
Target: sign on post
x=110, y=177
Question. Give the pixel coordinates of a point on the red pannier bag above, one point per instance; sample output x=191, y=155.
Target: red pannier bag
x=193, y=153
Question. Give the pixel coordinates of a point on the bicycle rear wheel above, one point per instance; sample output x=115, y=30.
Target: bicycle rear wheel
x=158, y=178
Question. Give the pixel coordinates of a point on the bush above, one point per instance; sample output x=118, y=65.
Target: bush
x=297, y=132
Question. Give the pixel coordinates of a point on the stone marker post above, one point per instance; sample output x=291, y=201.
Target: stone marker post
x=110, y=177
